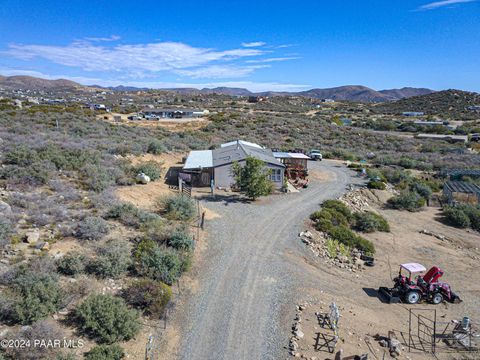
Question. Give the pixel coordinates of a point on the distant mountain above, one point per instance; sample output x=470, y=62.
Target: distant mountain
x=406, y=92
x=33, y=83
x=346, y=93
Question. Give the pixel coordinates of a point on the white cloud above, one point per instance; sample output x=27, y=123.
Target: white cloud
x=439, y=4
x=111, y=38
x=268, y=60
x=254, y=44
x=135, y=60
x=219, y=71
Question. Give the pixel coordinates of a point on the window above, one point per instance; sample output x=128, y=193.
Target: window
x=276, y=175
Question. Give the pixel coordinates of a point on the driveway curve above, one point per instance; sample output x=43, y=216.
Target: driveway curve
x=245, y=279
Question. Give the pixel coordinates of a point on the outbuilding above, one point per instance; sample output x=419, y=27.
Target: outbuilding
x=461, y=192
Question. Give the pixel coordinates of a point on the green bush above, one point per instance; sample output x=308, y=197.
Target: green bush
x=177, y=207
x=149, y=295
x=181, y=240
x=107, y=319
x=113, y=259
x=97, y=178
x=126, y=213
x=456, y=217
x=376, y=184
x=5, y=232
x=407, y=200
x=92, y=228
x=325, y=219
x=473, y=213
x=156, y=230
x=338, y=206
x=422, y=189
x=370, y=222
x=252, y=178
x=150, y=168
x=37, y=296
x=72, y=264
x=105, y=352
x=344, y=235
x=159, y=264
x=156, y=147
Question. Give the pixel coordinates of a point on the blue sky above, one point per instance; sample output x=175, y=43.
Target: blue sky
x=260, y=45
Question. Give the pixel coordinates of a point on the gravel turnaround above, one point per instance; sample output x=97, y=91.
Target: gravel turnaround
x=245, y=278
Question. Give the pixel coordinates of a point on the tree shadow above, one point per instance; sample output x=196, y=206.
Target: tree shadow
x=225, y=199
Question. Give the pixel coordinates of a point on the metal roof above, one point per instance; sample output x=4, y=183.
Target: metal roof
x=240, y=151
x=288, y=155
x=199, y=159
x=462, y=172
x=170, y=110
x=235, y=142
x=462, y=187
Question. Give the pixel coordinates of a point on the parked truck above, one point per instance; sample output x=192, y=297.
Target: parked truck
x=315, y=155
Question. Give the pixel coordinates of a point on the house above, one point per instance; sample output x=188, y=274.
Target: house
x=173, y=113
x=459, y=174
x=328, y=100
x=413, y=113
x=474, y=108
x=461, y=192
x=201, y=167
x=449, y=138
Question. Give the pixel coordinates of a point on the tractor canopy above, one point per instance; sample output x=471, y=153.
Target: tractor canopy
x=413, y=267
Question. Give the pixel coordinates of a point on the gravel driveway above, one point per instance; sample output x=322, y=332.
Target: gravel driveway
x=245, y=279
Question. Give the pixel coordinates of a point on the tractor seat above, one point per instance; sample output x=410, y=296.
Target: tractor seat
x=422, y=283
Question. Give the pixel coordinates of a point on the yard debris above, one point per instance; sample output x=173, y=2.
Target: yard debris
x=438, y=236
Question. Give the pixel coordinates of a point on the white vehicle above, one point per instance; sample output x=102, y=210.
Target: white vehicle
x=315, y=155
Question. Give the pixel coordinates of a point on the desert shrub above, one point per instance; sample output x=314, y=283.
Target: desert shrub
x=177, y=207
x=97, y=178
x=5, y=232
x=72, y=264
x=407, y=200
x=252, y=178
x=338, y=206
x=422, y=189
x=370, y=222
x=327, y=218
x=156, y=230
x=376, y=184
x=156, y=147
x=150, y=168
x=92, y=228
x=45, y=330
x=376, y=174
x=181, y=240
x=107, y=319
x=126, y=213
x=149, y=295
x=36, y=294
x=456, y=217
x=106, y=352
x=159, y=264
x=473, y=213
x=344, y=235
x=113, y=259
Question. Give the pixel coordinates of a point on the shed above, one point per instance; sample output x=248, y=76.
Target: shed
x=461, y=192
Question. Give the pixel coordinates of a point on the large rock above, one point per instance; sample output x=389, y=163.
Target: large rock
x=32, y=237
x=5, y=209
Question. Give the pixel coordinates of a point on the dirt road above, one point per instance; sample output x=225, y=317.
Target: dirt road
x=246, y=278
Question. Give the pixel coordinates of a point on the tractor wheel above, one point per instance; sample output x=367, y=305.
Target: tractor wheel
x=437, y=298
x=412, y=297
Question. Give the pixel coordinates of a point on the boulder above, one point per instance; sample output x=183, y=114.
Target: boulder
x=5, y=209
x=142, y=178
x=32, y=237
x=299, y=333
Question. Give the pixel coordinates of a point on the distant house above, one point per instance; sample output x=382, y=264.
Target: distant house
x=449, y=138
x=474, y=108
x=413, y=113
x=429, y=123
x=328, y=100
x=461, y=192
x=201, y=167
x=256, y=99
x=173, y=113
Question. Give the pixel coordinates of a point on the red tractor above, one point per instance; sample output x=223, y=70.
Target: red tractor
x=425, y=287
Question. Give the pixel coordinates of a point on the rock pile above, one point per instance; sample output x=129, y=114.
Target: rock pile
x=316, y=242
x=394, y=346
x=297, y=332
